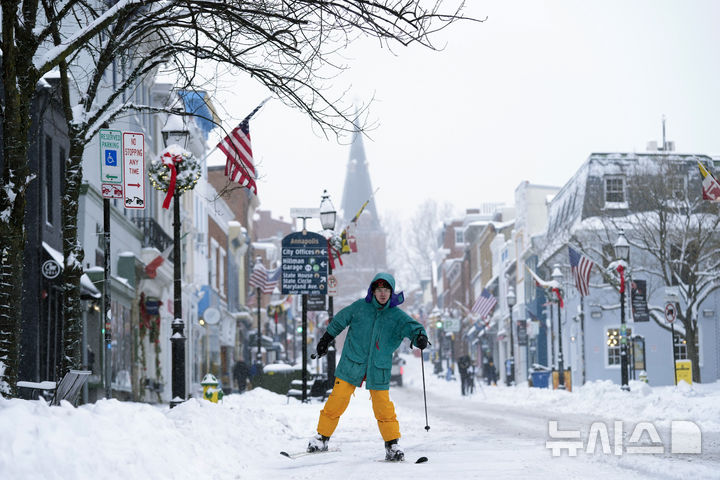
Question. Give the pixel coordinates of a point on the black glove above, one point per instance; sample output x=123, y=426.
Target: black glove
x=323, y=344
x=421, y=342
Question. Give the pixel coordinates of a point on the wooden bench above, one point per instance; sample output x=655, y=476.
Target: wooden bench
x=68, y=389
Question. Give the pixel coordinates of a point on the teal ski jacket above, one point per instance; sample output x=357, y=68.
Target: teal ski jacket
x=374, y=332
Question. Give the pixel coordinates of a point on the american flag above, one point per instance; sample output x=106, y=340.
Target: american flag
x=264, y=279
x=236, y=146
x=580, y=266
x=484, y=303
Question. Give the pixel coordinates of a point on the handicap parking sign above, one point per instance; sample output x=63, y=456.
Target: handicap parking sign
x=111, y=158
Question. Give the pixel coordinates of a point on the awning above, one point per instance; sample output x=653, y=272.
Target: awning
x=87, y=287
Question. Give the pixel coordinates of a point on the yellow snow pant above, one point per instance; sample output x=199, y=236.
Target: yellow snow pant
x=338, y=401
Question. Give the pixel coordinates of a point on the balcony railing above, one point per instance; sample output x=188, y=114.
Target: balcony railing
x=153, y=233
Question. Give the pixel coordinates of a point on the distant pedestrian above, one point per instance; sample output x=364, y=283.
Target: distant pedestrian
x=256, y=369
x=240, y=374
x=491, y=374
x=464, y=364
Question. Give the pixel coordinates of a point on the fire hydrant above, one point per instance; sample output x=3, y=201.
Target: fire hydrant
x=210, y=388
x=643, y=376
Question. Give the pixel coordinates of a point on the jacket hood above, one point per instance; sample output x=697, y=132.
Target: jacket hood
x=395, y=298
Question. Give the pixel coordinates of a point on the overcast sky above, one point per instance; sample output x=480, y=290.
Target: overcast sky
x=526, y=95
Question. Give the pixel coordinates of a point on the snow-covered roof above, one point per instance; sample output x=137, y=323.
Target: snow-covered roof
x=571, y=208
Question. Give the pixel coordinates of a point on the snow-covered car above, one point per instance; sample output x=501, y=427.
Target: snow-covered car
x=396, y=372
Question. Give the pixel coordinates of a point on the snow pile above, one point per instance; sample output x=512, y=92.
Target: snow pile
x=603, y=398
x=499, y=432
x=115, y=439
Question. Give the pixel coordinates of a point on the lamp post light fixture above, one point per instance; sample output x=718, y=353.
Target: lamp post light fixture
x=511, y=299
x=622, y=252
x=558, y=276
x=175, y=132
x=436, y=318
x=328, y=217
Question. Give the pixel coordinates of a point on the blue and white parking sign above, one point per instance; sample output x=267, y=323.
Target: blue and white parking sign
x=111, y=158
x=111, y=161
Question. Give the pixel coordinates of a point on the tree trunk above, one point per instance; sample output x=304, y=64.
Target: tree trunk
x=693, y=353
x=11, y=273
x=17, y=92
x=74, y=255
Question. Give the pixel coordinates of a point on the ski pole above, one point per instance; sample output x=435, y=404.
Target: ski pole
x=422, y=364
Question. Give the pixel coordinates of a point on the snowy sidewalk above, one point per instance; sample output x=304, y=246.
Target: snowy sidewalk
x=500, y=434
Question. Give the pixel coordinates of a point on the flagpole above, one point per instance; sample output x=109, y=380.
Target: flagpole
x=362, y=207
x=582, y=335
x=258, y=357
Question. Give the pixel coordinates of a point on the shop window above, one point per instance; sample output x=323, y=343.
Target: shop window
x=613, y=344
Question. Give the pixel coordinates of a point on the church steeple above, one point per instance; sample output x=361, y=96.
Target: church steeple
x=371, y=257
x=358, y=186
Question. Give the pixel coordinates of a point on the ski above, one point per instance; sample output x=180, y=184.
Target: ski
x=419, y=460
x=294, y=455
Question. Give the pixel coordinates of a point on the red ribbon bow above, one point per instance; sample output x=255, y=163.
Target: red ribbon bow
x=330, y=255
x=171, y=161
x=556, y=291
x=621, y=271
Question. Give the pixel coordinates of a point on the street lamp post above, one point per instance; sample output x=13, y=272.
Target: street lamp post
x=435, y=316
x=175, y=132
x=557, y=276
x=328, y=217
x=622, y=251
x=511, y=298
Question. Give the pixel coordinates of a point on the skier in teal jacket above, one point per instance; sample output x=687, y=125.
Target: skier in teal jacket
x=376, y=327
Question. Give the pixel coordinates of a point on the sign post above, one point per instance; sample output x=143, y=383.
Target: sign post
x=111, y=177
x=134, y=169
x=304, y=272
x=670, y=315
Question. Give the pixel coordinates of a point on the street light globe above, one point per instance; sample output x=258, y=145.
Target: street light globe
x=327, y=212
x=557, y=273
x=175, y=131
x=622, y=247
x=511, y=298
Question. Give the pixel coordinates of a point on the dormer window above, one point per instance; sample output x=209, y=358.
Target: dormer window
x=459, y=236
x=615, y=192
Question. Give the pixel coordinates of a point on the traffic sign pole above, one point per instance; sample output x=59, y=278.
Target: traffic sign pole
x=304, y=348
x=107, y=357
x=670, y=315
x=672, y=345
x=304, y=272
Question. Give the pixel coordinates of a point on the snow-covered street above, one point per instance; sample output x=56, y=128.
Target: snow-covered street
x=498, y=432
